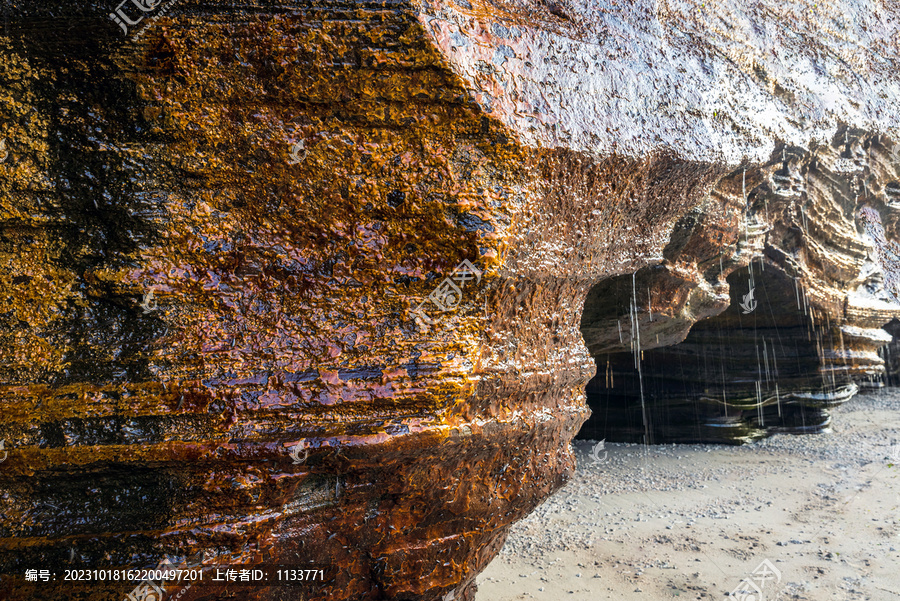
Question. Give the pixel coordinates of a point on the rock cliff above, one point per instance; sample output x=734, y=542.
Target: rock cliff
x=324, y=283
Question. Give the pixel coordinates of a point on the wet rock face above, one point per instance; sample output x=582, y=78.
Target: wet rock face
x=810, y=275
x=216, y=242
x=891, y=353
x=239, y=325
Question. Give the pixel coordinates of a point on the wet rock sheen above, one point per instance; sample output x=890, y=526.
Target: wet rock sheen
x=234, y=325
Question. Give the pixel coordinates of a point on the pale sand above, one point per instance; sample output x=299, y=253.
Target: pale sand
x=692, y=521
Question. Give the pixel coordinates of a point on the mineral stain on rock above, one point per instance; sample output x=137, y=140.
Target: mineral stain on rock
x=529, y=139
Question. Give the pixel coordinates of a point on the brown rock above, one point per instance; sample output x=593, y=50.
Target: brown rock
x=219, y=224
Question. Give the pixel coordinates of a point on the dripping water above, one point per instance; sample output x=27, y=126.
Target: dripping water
x=746, y=208
x=759, y=412
x=759, y=403
x=778, y=399
x=636, y=345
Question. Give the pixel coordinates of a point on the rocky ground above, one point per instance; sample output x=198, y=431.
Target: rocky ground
x=695, y=521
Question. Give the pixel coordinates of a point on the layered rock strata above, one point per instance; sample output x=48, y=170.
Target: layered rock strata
x=239, y=325
x=805, y=288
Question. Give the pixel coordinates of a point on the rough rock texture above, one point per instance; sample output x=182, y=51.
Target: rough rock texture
x=814, y=254
x=191, y=293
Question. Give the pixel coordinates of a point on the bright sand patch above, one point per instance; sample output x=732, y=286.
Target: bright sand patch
x=693, y=521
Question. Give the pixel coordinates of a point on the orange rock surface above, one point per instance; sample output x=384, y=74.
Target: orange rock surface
x=218, y=228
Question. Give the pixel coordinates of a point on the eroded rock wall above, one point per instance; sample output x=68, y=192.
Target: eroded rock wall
x=810, y=280
x=216, y=237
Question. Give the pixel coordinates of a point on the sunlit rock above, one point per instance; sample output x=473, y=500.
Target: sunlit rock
x=235, y=331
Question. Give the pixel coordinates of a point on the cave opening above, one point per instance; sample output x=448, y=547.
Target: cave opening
x=770, y=362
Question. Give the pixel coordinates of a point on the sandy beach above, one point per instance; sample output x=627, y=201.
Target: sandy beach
x=696, y=521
